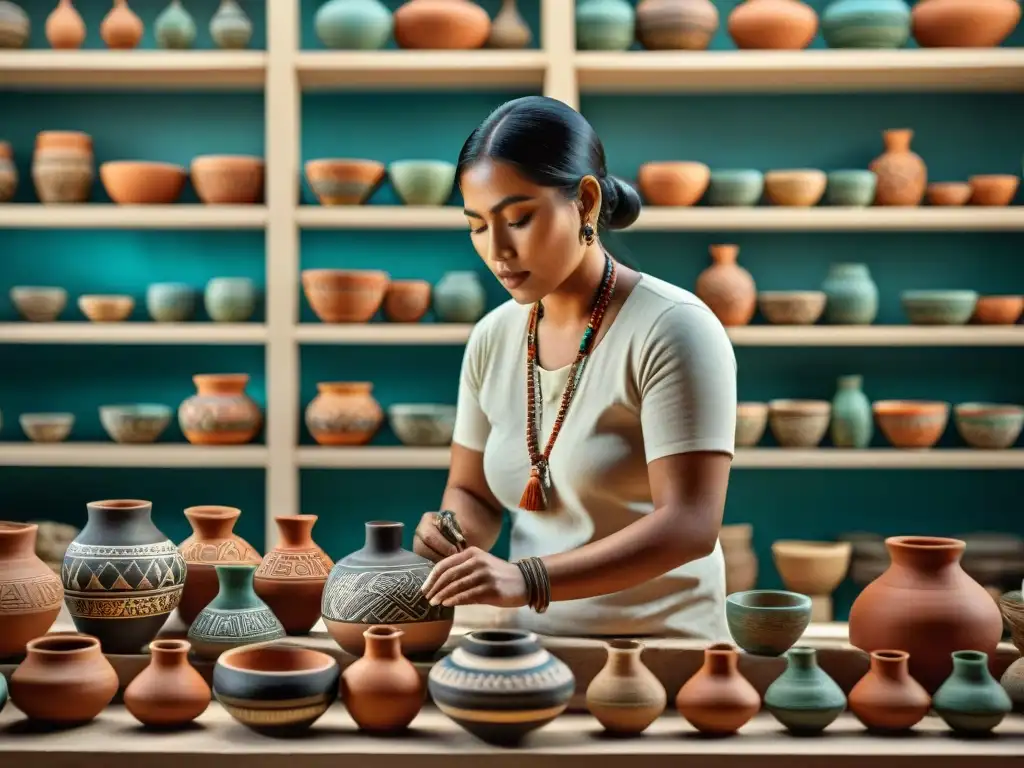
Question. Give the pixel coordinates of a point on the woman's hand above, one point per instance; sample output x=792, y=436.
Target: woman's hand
x=428, y=541
x=475, y=577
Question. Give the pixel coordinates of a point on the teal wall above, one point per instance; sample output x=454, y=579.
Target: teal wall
x=956, y=134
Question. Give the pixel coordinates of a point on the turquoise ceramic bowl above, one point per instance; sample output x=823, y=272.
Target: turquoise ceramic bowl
x=854, y=187
x=989, y=425
x=136, y=423
x=423, y=182
x=736, y=188
x=939, y=307
x=767, y=622
x=171, y=302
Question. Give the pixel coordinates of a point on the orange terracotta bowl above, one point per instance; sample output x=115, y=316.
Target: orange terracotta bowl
x=996, y=189
x=673, y=183
x=407, y=301
x=228, y=179
x=136, y=182
x=948, y=193
x=345, y=295
x=344, y=182
x=813, y=568
x=800, y=188
x=106, y=309
x=911, y=423
x=998, y=310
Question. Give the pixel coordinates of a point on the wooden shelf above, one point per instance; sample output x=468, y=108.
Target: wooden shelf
x=132, y=333
x=877, y=335
x=819, y=70
x=110, y=216
x=438, y=70
x=389, y=457
x=105, y=70
x=383, y=333
x=381, y=217
x=149, y=455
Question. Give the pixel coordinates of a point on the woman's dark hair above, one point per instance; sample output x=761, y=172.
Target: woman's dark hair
x=552, y=145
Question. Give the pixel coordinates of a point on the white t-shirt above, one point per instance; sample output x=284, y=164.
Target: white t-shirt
x=661, y=381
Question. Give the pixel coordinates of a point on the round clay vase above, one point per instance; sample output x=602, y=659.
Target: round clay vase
x=122, y=577
x=851, y=295
x=381, y=584
x=344, y=413
x=727, y=288
x=459, y=298
x=30, y=593
x=65, y=28
x=382, y=690
x=866, y=24
x=121, y=29
x=230, y=28
x=970, y=700
x=925, y=604
x=718, y=699
x=773, y=25
x=15, y=25
x=169, y=693
x=887, y=699
x=625, y=696
x=174, y=27
x=964, y=23
x=63, y=167
x=500, y=685
x=65, y=680
x=852, y=423
x=235, y=617
x=804, y=698
x=291, y=577
x=441, y=25
x=676, y=25
x=220, y=413
x=8, y=173
x=605, y=25
x=902, y=174
x=213, y=541
x=353, y=24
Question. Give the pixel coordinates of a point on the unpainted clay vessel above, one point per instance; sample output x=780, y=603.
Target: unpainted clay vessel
x=964, y=23
x=686, y=25
x=230, y=27
x=30, y=593
x=121, y=28
x=441, y=25
x=291, y=577
x=382, y=690
x=625, y=696
x=64, y=27
x=344, y=413
x=902, y=174
x=220, y=413
x=718, y=699
x=509, y=30
x=407, y=301
x=727, y=288
x=169, y=693
x=887, y=698
x=773, y=25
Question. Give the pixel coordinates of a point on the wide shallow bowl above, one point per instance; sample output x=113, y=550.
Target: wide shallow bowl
x=39, y=304
x=938, y=307
x=136, y=182
x=422, y=424
x=948, y=193
x=988, y=425
x=799, y=423
x=135, y=423
x=798, y=188
x=337, y=181
x=767, y=622
x=792, y=307
x=812, y=567
x=996, y=189
x=673, y=182
x=851, y=187
x=228, y=179
x=47, y=427
x=106, y=309
x=998, y=310
x=277, y=689
x=423, y=182
x=740, y=187
x=751, y=421
x=911, y=423
x=345, y=295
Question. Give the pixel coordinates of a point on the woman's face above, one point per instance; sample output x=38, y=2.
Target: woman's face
x=527, y=235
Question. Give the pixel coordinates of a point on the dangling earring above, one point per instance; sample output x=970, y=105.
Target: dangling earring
x=587, y=233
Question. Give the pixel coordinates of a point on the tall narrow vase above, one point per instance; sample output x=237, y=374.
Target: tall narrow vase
x=852, y=421
x=235, y=617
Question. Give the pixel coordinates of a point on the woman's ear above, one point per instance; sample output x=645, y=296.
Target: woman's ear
x=589, y=199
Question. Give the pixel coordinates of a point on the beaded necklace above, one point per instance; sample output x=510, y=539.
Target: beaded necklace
x=534, y=497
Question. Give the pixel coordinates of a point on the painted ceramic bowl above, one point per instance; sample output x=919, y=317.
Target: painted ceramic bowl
x=39, y=304
x=673, y=183
x=812, y=567
x=422, y=182
x=792, y=307
x=851, y=187
x=275, y=688
x=799, y=423
x=422, y=424
x=997, y=189
x=171, y=302
x=938, y=307
x=948, y=193
x=751, y=422
x=767, y=622
x=136, y=423
x=345, y=295
x=911, y=423
x=998, y=310
x=47, y=427
x=797, y=188
x=344, y=182
x=132, y=182
x=106, y=309
x=988, y=425
x=735, y=187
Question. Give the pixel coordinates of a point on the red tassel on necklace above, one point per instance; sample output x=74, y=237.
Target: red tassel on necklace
x=533, y=496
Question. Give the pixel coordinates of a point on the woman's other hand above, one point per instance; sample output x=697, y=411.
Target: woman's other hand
x=475, y=577
x=429, y=542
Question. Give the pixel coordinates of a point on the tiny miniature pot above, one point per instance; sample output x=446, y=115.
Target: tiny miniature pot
x=169, y=693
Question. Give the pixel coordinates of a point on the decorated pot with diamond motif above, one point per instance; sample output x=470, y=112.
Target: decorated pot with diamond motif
x=122, y=577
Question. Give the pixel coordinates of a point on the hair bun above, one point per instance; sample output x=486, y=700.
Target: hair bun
x=620, y=204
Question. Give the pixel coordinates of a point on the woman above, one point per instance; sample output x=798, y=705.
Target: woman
x=614, y=524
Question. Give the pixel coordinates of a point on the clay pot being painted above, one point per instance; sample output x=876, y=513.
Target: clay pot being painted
x=65, y=680
x=174, y=27
x=213, y=541
x=235, y=617
x=925, y=604
x=121, y=28
x=625, y=696
x=220, y=413
x=804, y=698
x=353, y=24
x=970, y=701
x=14, y=25
x=291, y=577
x=122, y=577
x=902, y=174
x=344, y=413
x=727, y=288
x=64, y=27
x=687, y=25
x=887, y=699
x=380, y=584
x=773, y=25
x=382, y=690
x=509, y=30
x=32, y=593
x=441, y=25
x=964, y=23
x=169, y=693
x=8, y=173
x=230, y=28
x=718, y=699
x=63, y=167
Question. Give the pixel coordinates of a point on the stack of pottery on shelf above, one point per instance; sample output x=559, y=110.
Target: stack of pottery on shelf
x=220, y=413
x=346, y=182
x=813, y=568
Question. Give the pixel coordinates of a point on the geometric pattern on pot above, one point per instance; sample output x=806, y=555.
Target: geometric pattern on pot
x=390, y=595
x=252, y=625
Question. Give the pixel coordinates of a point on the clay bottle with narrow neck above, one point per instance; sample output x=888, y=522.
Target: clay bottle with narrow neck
x=625, y=696
x=902, y=174
x=382, y=690
x=121, y=28
x=291, y=577
x=64, y=27
x=727, y=288
x=887, y=698
x=169, y=692
x=718, y=699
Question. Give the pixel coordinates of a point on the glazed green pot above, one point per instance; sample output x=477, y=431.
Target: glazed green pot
x=235, y=617
x=970, y=700
x=423, y=182
x=354, y=24
x=851, y=187
x=866, y=24
x=939, y=307
x=230, y=28
x=852, y=421
x=804, y=698
x=767, y=622
x=174, y=27
x=852, y=295
x=605, y=25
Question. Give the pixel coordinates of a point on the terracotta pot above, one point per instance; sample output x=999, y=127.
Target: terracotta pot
x=925, y=604
x=911, y=423
x=685, y=25
x=106, y=309
x=169, y=692
x=727, y=288
x=441, y=25
x=64, y=27
x=32, y=593
x=213, y=541
x=673, y=183
x=291, y=577
x=773, y=24
x=948, y=193
x=63, y=167
x=64, y=680
x=220, y=413
x=344, y=182
x=998, y=310
x=228, y=179
x=382, y=690
x=902, y=174
x=344, y=413
x=130, y=182
x=121, y=28
x=345, y=295
x=963, y=23
x=718, y=700
x=8, y=173
x=407, y=301
x=625, y=696
x=798, y=188
x=751, y=421
x=887, y=698
x=994, y=189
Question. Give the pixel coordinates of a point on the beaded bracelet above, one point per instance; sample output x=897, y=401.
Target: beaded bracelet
x=538, y=584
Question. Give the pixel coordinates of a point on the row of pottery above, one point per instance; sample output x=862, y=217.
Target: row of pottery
x=614, y=25
x=340, y=181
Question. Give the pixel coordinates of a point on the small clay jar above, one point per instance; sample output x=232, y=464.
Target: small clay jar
x=441, y=24
x=344, y=413
x=64, y=27
x=964, y=23
x=727, y=288
x=773, y=25
x=671, y=25
x=32, y=593
x=625, y=696
x=718, y=700
x=220, y=413
x=64, y=680
x=382, y=690
x=407, y=301
x=902, y=174
x=169, y=693
x=291, y=577
x=887, y=698
x=121, y=28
